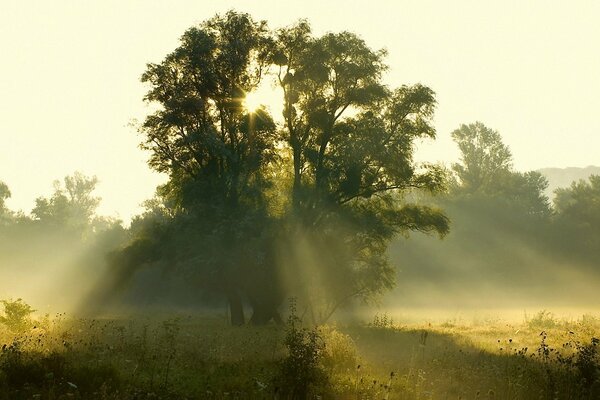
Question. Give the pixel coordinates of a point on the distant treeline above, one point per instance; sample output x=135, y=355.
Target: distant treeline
x=256, y=211
x=509, y=245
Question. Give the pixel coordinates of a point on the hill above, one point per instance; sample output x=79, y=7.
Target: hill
x=563, y=177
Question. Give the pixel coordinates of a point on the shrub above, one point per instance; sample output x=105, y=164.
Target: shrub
x=339, y=353
x=542, y=320
x=300, y=373
x=382, y=321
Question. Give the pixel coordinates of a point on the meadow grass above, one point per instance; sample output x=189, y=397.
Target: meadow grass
x=197, y=357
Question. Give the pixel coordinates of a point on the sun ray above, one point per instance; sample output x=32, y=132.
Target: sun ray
x=253, y=101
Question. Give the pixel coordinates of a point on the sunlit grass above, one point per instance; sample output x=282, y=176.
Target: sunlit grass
x=202, y=357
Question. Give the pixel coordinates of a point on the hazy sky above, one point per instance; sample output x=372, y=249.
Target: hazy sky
x=69, y=79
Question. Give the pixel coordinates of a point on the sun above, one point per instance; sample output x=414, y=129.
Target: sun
x=266, y=97
x=253, y=101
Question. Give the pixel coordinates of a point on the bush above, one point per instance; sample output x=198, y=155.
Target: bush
x=339, y=352
x=382, y=321
x=50, y=372
x=301, y=372
x=542, y=320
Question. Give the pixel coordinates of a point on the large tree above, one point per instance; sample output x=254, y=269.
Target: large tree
x=350, y=141
x=214, y=150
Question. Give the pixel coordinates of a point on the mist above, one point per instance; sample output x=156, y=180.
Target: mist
x=491, y=258
x=286, y=255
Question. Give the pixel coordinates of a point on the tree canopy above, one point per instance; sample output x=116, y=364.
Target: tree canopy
x=485, y=159
x=260, y=207
x=335, y=166
x=578, y=216
x=352, y=142
x=71, y=205
x=4, y=194
x=485, y=171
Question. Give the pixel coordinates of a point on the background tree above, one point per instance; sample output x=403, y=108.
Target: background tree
x=489, y=189
x=502, y=223
x=484, y=161
x=577, y=230
x=62, y=244
x=72, y=205
x=580, y=202
x=524, y=192
x=485, y=172
x=5, y=213
x=4, y=194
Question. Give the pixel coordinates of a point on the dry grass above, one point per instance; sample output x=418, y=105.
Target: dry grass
x=202, y=357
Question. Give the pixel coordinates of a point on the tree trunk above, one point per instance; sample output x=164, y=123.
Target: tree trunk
x=236, y=308
x=297, y=180
x=263, y=313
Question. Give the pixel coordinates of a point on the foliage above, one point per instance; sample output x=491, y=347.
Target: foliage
x=201, y=357
x=486, y=171
x=214, y=150
x=579, y=201
x=578, y=218
x=300, y=374
x=524, y=194
x=484, y=158
x=349, y=171
x=544, y=319
x=586, y=361
x=382, y=321
x=64, y=238
x=505, y=237
x=24, y=374
x=346, y=144
x=4, y=194
x=7, y=216
x=17, y=315
x=71, y=206
x=339, y=354
x=201, y=135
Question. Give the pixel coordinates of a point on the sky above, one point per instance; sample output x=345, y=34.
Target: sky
x=70, y=89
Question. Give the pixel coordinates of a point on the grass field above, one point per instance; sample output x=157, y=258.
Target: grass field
x=197, y=357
